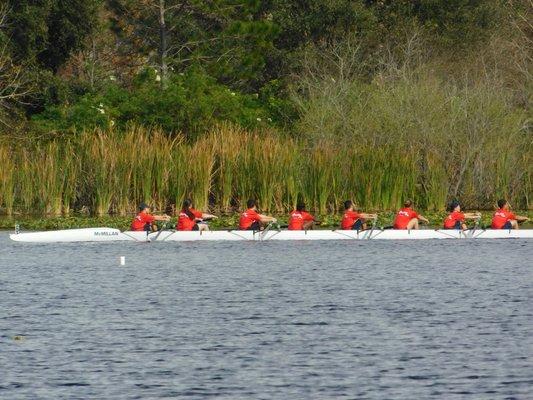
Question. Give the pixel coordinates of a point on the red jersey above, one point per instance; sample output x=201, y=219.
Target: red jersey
x=501, y=217
x=453, y=218
x=185, y=223
x=141, y=220
x=248, y=218
x=349, y=218
x=403, y=217
x=297, y=220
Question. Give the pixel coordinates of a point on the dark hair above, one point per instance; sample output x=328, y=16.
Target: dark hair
x=453, y=205
x=408, y=203
x=251, y=203
x=300, y=206
x=143, y=206
x=348, y=204
x=187, y=203
x=502, y=203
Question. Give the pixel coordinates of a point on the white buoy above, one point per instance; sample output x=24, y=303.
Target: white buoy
x=122, y=260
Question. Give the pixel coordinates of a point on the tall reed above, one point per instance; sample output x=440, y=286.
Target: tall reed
x=26, y=181
x=178, y=173
x=7, y=179
x=124, y=199
x=229, y=144
x=200, y=166
x=70, y=172
x=112, y=171
x=100, y=160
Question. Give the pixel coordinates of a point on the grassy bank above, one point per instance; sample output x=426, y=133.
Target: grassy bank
x=112, y=171
x=329, y=221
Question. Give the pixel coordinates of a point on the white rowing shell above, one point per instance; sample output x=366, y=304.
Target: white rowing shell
x=112, y=235
x=79, y=235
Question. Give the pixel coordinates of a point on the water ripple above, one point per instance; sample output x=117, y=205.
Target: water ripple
x=325, y=320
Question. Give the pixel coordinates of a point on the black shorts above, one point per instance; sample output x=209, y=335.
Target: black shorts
x=508, y=225
x=256, y=226
x=195, y=228
x=358, y=225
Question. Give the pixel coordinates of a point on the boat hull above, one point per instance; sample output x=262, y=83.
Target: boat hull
x=114, y=235
x=79, y=235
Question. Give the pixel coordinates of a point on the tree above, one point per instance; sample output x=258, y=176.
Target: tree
x=15, y=84
x=46, y=32
x=305, y=24
x=228, y=38
x=450, y=23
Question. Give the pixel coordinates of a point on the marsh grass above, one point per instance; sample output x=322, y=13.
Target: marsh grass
x=7, y=180
x=111, y=172
x=227, y=149
x=200, y=162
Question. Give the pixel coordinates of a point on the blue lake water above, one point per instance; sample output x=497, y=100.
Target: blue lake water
x=267, y=320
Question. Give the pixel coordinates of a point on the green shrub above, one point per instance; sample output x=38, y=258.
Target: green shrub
x=191, y=103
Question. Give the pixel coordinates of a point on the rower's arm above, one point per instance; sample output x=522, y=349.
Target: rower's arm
x=266, y=219
x=209, y=216
x=472, y=215
x=423, y=219
x=162, y=217
x=368, y=216
x=521, y=218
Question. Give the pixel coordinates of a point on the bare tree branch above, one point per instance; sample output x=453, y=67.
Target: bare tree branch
x=3, y=15
x=15, y=85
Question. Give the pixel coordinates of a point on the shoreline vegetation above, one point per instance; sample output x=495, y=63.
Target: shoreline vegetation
x=103, y=106
x=101, y=172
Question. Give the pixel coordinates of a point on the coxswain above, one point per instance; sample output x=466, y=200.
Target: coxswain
x=251, y=220
x=503, y=218
x=407, y=218
x=354, y=220
x=144, y=221
x=192, y=220
x=300, y=220
x=456, y=218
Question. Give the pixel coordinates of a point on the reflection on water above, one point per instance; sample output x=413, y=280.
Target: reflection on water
x=375, y=320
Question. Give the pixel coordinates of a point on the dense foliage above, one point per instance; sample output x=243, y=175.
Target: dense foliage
x=446, y=80
x=112, y=171
x=182, y=58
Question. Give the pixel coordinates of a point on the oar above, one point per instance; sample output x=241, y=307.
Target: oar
x=373, y=227
x=315, y=223
x=265, y=231
x=476, y=226
x=161, y=230
x=472, y=229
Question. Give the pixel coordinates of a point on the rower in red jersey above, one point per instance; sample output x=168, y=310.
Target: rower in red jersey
x=144, y=221
x=300, y=220
x=407, y=218
x=191, y=219
x=456, y=218
x=251, y=220
x=503, y=218
x=353, y=220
